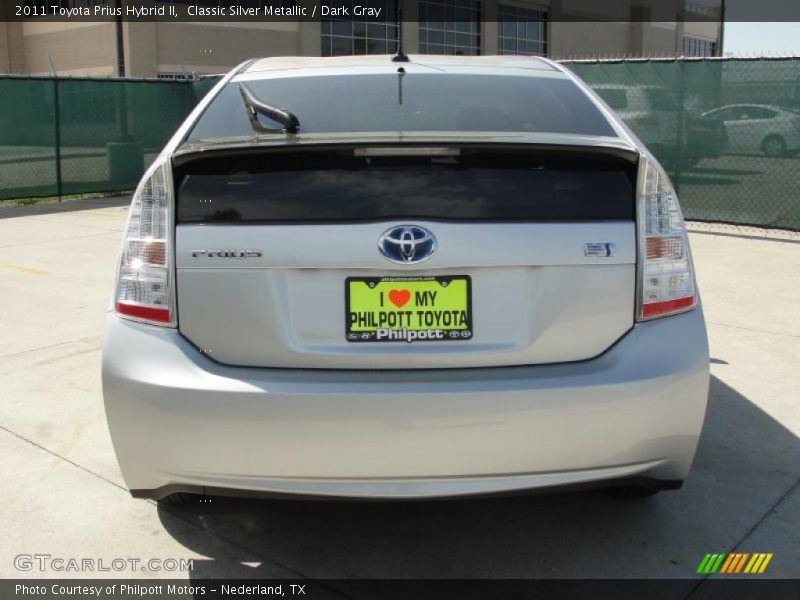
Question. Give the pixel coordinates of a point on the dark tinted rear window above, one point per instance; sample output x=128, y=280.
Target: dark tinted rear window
x=332, y=186
x=426, y=102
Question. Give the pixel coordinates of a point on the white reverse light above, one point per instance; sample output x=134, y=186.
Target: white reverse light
x=145, y=281
x=666, y=276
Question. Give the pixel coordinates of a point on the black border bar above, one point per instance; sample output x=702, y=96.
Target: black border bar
x=315, y=10
x=731, y=588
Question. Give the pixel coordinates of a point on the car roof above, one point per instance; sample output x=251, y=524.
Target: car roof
x=279, y=63
x=280, y=67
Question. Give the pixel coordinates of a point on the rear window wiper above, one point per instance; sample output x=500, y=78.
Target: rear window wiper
x=255, y=106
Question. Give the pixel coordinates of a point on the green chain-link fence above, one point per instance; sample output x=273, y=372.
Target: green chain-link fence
x=728, y=131
x=62, y=136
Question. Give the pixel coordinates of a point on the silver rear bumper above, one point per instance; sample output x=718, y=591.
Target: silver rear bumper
x=180, y=420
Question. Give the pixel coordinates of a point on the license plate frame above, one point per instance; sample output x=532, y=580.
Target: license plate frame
x=426, y=327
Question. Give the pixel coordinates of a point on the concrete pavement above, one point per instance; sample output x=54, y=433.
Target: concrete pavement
x=65, y=496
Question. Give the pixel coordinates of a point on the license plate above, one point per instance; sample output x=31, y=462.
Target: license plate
x=408, y=309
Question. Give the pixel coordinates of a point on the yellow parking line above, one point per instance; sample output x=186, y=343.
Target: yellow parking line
x=22, y=269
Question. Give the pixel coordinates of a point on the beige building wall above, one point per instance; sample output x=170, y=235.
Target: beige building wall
x=12, y=53
x=584, y=39
x=153, y=49
x=205, y=48
x=73, y=48
x=616, y=39
x=703, y=31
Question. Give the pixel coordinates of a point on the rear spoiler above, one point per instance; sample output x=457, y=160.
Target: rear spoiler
x=609, y=147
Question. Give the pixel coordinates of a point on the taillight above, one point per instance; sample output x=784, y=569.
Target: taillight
x=666, y=276
x=145, y=289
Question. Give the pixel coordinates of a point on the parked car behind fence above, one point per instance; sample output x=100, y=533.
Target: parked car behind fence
x=759, y=128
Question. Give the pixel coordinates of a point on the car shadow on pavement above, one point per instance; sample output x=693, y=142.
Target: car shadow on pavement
x=8, y=210
x=745, y=463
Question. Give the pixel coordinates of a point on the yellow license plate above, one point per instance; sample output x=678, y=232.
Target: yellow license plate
x=408, y=309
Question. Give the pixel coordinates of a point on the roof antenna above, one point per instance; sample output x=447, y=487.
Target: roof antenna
x=400, y=56
x=400, y=72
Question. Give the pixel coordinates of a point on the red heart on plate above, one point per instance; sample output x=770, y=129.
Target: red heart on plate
x=399, y=297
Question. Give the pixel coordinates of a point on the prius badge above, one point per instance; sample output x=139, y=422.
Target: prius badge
x=407, y=244
x=599, y=249
x=228, y=253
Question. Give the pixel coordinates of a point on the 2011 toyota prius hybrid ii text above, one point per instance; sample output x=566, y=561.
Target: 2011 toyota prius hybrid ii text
x=359, y=277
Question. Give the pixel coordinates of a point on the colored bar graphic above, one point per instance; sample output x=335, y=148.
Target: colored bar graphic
x=740, y=564
x=755, y=562
x=710, y=563
x=765, y=563
x=704, y=563
x=727, y=564
x=734, y=562
x=717, y=563
x=730, y=563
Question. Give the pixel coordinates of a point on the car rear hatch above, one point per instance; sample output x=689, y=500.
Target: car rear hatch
x=279, y=265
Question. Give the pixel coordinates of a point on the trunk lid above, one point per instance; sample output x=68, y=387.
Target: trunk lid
x=275, y=250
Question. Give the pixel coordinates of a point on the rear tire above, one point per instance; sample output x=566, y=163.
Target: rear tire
x=773, y=146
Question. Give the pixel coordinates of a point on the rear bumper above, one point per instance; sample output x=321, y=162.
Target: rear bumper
x=181, y=421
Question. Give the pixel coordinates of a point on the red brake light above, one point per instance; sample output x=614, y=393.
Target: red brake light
x=666, y=276
x=145, y=279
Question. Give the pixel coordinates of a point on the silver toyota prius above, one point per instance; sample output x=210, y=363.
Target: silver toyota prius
x=379, y=278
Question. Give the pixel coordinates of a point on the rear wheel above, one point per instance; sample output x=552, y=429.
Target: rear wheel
x=773, y=146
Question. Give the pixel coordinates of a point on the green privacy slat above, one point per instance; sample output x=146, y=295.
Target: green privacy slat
x=110, y=131
x=727, y=131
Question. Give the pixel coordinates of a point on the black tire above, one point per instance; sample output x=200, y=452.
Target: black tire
x=773, y=146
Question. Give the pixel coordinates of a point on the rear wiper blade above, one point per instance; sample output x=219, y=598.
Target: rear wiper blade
x=255, y=106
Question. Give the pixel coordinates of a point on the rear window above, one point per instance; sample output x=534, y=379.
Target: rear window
x=411, y=102
x=343, y=185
